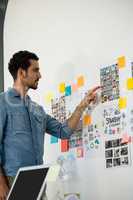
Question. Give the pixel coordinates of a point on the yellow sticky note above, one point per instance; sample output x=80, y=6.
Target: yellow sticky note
x=62, y=87
x=121, y=62
x=122, y=102
x=49, y=97
x=130, y=84
x=53, y=173
x=80, y=81
x=87, y=120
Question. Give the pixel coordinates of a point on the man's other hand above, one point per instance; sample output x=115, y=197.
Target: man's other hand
x=4, y=189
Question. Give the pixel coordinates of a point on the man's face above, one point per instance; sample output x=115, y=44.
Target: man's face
x=32, y=75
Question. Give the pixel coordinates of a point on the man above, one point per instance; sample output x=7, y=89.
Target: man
x=23, y=122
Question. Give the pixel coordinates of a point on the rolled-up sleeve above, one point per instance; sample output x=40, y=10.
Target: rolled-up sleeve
x=57, y=129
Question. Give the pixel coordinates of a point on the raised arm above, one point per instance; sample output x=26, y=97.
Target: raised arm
x=76, y=115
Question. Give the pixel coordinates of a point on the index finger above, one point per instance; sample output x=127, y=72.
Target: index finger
x=95, y=89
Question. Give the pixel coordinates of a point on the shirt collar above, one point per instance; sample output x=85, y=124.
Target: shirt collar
x=14, y=93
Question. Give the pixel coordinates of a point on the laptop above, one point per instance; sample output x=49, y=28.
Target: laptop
x=29, y=183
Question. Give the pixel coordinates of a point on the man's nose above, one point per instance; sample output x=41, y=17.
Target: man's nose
x=39, y=76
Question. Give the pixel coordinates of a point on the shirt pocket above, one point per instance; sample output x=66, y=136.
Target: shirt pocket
x=20, y=122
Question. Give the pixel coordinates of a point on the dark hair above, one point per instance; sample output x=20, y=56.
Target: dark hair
x=20, y=59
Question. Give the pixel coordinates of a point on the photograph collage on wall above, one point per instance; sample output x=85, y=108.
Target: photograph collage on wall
x=117, y=153
x=76, y=139
x=132, y=68
x=131, y=120
x=92, y=138
x=112, y=120
x=58, y=107
x=109, y=78
x=123, y=122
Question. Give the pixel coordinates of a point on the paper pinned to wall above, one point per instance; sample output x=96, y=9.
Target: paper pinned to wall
x=68, y=90
x=126, y=138
x=62, y=87
x=74, y=87
x=121, y=62
x=87, y=120
x=130, y=83
x=64, y=145
x=80, y=81
x=53, y=173
x=122, y=103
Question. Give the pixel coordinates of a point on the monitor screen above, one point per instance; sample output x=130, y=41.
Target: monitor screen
x=28, y=184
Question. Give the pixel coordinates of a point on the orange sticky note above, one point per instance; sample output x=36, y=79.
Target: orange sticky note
x=130, y=84
x=74, y=87
x=121, y=62
x=64, y=145
x=122, y=103
x=80, y=81
x=62, y=87
x=87, y=120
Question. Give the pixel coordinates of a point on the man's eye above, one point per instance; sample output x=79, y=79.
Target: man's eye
x=36, y=70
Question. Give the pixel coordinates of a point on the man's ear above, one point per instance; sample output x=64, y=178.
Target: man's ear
x=21, y=73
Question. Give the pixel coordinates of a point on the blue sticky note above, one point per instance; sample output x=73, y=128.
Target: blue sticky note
x=68, y=90
x=53, y=140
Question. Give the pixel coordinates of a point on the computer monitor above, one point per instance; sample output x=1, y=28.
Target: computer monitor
x=29, y=183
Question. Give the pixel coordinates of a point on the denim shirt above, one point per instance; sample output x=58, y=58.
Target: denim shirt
x=23, y=124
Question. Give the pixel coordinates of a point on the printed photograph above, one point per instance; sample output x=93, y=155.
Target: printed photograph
x=108, y=163
x=109, y=153
x=116, y=152
x=116, y=162
x=124, y=161
x=124, y=151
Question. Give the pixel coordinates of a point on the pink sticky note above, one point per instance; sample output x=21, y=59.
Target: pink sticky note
x=74, y=87
x=126, y=138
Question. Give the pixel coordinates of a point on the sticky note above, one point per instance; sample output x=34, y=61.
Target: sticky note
x=80, y=81
x=126, y=138
x=74, y=87
x=53, y=139
x=87, y=120
x=122, y=103
x=121, y=62
x=53, y=173
x=130, y=84
x=64, y=145
x=62, y=87
x=80, y=152
x=68, y=90
x=49, y=97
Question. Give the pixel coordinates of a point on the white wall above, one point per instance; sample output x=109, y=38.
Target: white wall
x=71, y=38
